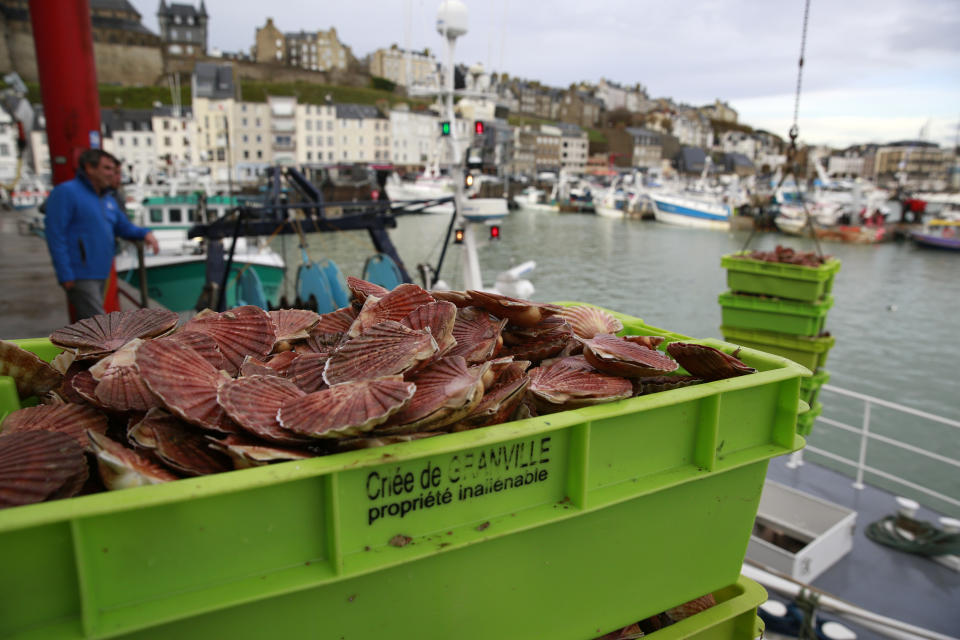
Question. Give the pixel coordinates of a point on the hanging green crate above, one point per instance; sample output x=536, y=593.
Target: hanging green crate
x=774, y=314
x=810, y=387
x=791, y=281
x=809, y=352
x=805, y=420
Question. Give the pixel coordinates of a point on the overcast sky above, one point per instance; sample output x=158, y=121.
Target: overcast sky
x=875, y=71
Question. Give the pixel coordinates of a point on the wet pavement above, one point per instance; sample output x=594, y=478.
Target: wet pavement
x=32, y=304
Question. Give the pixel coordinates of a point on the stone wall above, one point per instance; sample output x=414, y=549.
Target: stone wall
x=249, y=70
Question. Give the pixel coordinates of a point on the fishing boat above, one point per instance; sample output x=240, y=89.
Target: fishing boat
x=701, y=211
x=175, y=277
x=938, y=234
x=535, y=199
x=429, y=185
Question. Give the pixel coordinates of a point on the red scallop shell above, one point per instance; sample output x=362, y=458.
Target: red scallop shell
x=691, y=608
x=120, y=386
x=31, y=375
x=589, y=321
x=306, y=372
x=395, y=305
x=84, y=386
x=108, y=332
x=338, y=321
x=121, y=468
x=522, y=313
x=37, y=465
x=186, y=451
x=348, y=409
x=201, y=343
x=240, y=332
x=446, y=391
x=72, y=419
x=656, y=384
x=185, y=382
x=276, y=365
x=323, y=343
x=141, y=433
x=439, y=317
x=620, y=357
x=385, y=349
x=477, y=335
x=66, y=390
x=563, y=387
x=706, y=362
x=360, y=289
x=500, y=401
x=650, y=342
x=253, y=403
x=247, y=452
x=549, y=341
x=460, y=298
x=293, y=324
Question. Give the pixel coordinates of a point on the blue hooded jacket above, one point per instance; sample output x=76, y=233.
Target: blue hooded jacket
x=81, y=228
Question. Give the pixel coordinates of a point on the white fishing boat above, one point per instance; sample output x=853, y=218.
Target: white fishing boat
x=701, y=211
x=535, y=199
x=427, y=186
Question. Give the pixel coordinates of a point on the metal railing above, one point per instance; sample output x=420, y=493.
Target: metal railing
x=866, y=436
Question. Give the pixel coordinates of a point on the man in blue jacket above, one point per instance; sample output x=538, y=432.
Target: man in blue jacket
x=82, y=222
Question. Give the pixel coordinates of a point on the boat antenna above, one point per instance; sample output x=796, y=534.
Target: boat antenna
x=793, y=165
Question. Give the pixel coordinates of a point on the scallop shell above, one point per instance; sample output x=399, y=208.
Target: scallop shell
x=360, y=289
x=108, y=332
x=706, y=362
x=201, y=343
x=186, y=451
x=460, y=298
x=439, y=317
x=538, y=343
x=84, y=386
x=37, y=465
x=691, y=608
x=446, y=391
x=306, y=372
x=293, y=324
x=589, y=321
x=253, y=403
x=120, y=386
x=562, y=387
x=338, y=321
x=185, y=382
x=31, y=375
x=141, y=433
x=656, y=384
x=385, y=349
x=277, y=365
x=477, y=335
x=395, y=305
x=72, y=419
x=122, y=468
x=348, y=409
x=64, y=361
x=238, y=332
x=501, y=400
x=354, y=444
x=246, y=452
x=323, y=343
x=522, y=313
x=650, y=342
x=571, y=362
x=620, y=357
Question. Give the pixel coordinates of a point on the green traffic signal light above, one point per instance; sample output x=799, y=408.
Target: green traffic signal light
x=445, y=128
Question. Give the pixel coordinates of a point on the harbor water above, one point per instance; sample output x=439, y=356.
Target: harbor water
x=895, y=318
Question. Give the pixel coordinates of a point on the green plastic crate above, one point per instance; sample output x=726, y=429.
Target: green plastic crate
x=774, y=314
x=547, y=527
x=806, y=351
x=810, y=387
x=805, y=420
x=791, y=281
x=733, y=618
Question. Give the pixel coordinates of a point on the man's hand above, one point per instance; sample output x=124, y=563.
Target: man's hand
x=151, y=241
x=68, y=285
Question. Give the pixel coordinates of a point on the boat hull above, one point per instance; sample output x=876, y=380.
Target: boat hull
x=483, y=209
x=686, y=212
x=609, y=212
x=936, y=242
x=177, y=282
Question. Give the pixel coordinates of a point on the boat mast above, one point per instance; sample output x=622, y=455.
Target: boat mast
x=452, y=23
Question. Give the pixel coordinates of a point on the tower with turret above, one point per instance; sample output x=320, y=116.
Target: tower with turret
x=183, y=28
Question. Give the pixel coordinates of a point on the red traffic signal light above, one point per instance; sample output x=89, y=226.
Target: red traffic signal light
x=495, y=232
x=478, y=127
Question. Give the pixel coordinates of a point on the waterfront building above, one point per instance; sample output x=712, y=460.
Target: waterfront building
x=175, y=137
x=845, y=164
x=315, y=136
x=362, y=134
x=580, y=108
x=719, y=111
x=128, y=134
x=574, y=145
x=395, y=64
x=415, y=137
x=919, y=164
x=183, y=28
x=311, y=50
x=646, y=149
x=547, y=157
x=734, y=141
x=39, y=150
x=524, y=161
x=8, y=148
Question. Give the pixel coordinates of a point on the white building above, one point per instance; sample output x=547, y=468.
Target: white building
x=233, y=137
x=316, y=137
x=128, y=134
x=8, y=148
x=403, y=67
x=848, y=165
x=283, y=128
x=362, y=134
x=739, y=142
x=175, y=138
x=415, y=137
x=574, y=147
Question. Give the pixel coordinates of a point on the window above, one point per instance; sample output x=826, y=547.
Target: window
x=191, y=215
x=246, y=154
x=330, y=142
x=221, y=156
x=376, y=140
x=156, y=216
x=176, y=19
x=376, y=155
x=119, y=141
x=376, y=126
x=245, y=138
x=308, y=125
x=134, y=141
x=344, y=139
x=258, y=122
x=309, y=156
x=344, y=155
x=243, y=122
x=259, y=154
x=176, y=215
x=243, y=108
x=330, y=155
x=149, y=142
x=167, y=141
x=259, y=139
x=319, y=141
x=166, y=125
x=360, y=140
x=309, y=141
x=330, y=126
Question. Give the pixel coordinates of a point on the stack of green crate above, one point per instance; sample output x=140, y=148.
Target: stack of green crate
x=782, y=309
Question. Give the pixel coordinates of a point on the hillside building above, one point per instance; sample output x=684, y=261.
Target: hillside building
x=403, y=67
x=183, y=28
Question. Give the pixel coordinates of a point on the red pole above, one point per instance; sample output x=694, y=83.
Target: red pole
x=68, y=80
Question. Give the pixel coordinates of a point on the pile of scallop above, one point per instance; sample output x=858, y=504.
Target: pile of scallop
x=786, y=255
x=144, y=401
